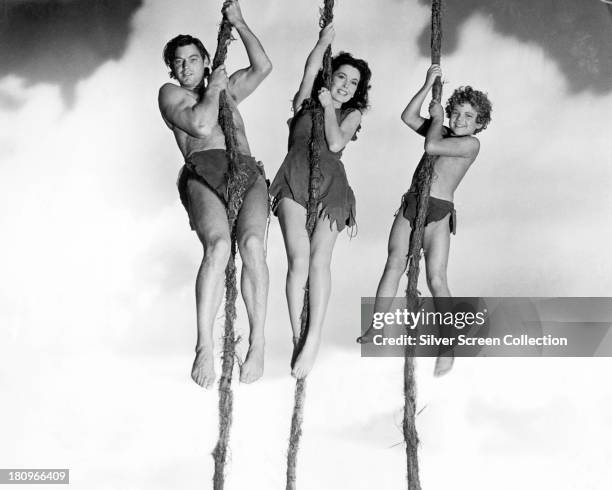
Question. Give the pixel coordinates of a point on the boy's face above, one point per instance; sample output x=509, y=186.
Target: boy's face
x=463, y=120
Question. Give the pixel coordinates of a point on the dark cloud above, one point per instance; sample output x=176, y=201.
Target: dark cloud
x=577, y=35
x=62, y=41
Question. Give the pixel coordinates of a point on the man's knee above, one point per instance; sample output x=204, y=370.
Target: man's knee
x=217, y=251
x=298, y=263
x=252, y=249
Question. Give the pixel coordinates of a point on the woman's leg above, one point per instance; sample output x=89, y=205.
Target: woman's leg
x=319, y=275
x=292, y=219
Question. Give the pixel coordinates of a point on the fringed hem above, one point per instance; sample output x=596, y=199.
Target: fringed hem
x=339, y=215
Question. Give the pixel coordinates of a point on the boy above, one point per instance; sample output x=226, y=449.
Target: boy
x=469, y=112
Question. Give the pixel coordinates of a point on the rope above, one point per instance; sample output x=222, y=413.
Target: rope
x=237, y=180
x=412, y=295
x=317, y=140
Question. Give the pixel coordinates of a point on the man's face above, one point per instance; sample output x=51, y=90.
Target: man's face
x=188, y=66
x=463, y=120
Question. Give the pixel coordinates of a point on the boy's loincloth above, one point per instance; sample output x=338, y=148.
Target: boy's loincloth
x=437, y=209
x=210, y=167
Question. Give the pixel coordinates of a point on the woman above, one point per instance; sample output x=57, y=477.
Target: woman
x=343, y=105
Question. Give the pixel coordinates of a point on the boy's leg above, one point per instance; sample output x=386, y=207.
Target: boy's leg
x=292, y=218
x=209, y=218
x=397, y=261
x=250, y=234
x=319, y=274
x=436, y=245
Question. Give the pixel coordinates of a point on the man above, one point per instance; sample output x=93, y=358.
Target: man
x=191, y=111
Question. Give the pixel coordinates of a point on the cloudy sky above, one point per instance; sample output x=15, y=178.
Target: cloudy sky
x=98, y=262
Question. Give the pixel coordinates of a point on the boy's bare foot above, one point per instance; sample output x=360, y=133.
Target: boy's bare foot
x=444, y=363
x=367, y=337
x=306, y=358
x=203, y=370
x=253, y=366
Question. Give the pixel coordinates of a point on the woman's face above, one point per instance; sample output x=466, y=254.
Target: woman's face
x=344, y=83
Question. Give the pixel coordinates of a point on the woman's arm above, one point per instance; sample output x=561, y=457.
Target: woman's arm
x=337, y=135
x=313, y=65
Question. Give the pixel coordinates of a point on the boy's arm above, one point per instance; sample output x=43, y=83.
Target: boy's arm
x=436, y=145
x=337, y=135
x=243, y=82
x=412, y=113
x=180, y=110
x=313, y=65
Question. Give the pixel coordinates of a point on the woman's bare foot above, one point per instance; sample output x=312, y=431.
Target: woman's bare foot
x=306, y=358
x=203, y=370
x=367, y=337
x=253, y=366
x=444, y=363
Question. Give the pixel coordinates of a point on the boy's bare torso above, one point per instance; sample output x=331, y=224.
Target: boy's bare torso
x=448, y=174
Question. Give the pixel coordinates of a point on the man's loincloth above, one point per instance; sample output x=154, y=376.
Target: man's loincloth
x=210, y=167
x=437, y=209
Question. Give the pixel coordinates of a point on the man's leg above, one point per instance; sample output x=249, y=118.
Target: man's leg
x=209, y=219
x=436, y=244
x=251, y=230
x=292, y=218
x=397, y=261
x=321, y=248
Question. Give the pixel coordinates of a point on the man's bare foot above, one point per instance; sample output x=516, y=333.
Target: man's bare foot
x=203, y=370
x=367, y=337
x=306, y=358
x=253, y=366
x=444, y=363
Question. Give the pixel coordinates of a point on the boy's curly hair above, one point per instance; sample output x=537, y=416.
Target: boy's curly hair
x=360, y=98
x=477, y=99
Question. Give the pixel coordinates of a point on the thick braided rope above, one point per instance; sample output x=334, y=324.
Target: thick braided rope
x=237, y=179
x=412, y=295
x=317, y=140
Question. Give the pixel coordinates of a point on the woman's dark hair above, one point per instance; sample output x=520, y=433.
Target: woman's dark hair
x=177, y=42
x=360, y=98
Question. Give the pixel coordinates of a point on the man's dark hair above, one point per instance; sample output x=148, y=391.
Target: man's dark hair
x=177, y=42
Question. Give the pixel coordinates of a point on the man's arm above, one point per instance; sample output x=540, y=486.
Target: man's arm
x=245, y=81
x=180, y=109
x=337, y=135
x=412, y=113
x=436, y=145
x=313, y=65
